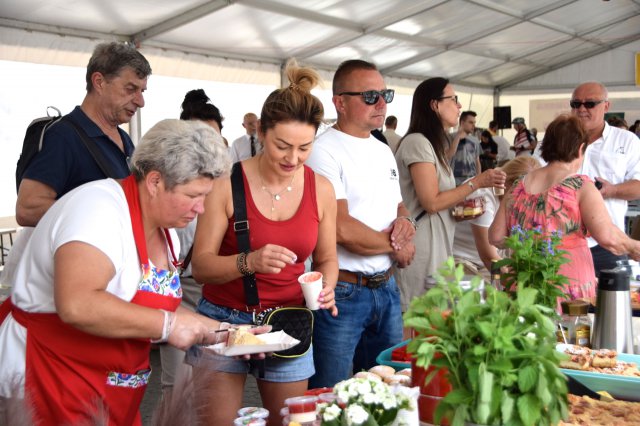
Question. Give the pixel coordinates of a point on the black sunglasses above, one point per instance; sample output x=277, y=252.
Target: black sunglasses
x=371, y=97
x=587, y=104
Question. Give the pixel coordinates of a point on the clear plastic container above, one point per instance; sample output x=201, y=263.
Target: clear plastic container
x=302, y=409
x=468, y=209
x=257, y=412
x=249, y=421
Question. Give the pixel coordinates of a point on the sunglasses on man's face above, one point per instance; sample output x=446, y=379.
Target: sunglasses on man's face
x=587, y=104
x=370, y=97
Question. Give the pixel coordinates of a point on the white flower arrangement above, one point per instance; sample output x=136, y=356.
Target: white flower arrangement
x=364, y=402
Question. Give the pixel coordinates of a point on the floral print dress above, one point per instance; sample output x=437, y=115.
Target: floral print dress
x=557, y=210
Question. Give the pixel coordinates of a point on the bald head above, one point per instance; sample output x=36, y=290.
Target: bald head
x=596, y=94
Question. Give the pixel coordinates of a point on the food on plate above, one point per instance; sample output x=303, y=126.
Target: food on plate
x=587, y=411
x=604, y=358
x=404, y=372
x=366, y=375
x=603, y=361
x=242, y=336
x=382, y=370
x=398, y=379
x=469, y=208
x=579, y=358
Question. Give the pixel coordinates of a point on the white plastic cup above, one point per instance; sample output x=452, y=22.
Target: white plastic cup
x=498, y=190
x=311, y=284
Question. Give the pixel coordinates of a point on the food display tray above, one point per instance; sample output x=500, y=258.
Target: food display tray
x=384, y=357
x=620, y=387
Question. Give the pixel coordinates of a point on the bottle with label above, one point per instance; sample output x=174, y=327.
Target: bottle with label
x=495, y=275
x=575, y=327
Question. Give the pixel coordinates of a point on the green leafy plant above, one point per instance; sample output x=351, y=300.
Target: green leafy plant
x=499, y=352
x=535, y=262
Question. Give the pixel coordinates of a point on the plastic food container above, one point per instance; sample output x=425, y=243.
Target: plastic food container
x=257, y=412
x=249, y=421
x=302, y=409
x=468, y=209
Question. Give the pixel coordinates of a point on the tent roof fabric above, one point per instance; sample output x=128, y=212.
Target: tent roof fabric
x=496, y=45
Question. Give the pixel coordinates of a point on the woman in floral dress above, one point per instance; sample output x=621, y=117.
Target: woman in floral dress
x=555, y=198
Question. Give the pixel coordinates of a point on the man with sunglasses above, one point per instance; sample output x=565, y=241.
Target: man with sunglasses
x=612, y=159
x=374, y=231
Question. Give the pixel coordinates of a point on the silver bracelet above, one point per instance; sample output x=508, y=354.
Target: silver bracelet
x=411, y=221
x=167, y=325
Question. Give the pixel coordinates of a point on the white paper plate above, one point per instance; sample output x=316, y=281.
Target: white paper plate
x=277, y=341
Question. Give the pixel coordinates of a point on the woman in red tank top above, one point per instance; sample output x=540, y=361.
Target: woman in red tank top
x=292, y=215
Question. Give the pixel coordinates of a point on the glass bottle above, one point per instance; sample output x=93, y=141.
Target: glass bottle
x=495, y=275
x=575, y=326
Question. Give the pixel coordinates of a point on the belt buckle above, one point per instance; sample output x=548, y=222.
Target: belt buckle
x=376, y=281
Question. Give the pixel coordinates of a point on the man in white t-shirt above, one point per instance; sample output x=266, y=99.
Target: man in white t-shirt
x=612, y=159
x=247, y=145
x=374, y=231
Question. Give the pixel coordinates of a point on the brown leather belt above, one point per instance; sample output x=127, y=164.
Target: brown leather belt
x=369, y=281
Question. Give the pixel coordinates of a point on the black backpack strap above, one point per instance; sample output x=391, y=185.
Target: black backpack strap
x=241, y=228
x=93, y=149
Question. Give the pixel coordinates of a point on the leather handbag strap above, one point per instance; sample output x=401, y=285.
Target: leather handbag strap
x=241, y=228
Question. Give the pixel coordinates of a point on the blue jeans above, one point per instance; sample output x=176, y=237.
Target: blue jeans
x=368, y=322
x=275, y=369
x=604, y=259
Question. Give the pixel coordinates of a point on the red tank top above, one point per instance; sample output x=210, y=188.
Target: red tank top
x=299, y=234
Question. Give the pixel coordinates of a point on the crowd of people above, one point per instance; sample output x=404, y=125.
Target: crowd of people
x=110, y=264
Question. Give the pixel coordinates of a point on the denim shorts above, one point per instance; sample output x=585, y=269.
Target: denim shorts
x=275, y=369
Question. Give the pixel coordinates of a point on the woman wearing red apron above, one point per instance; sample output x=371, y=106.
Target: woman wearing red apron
x=95, y=285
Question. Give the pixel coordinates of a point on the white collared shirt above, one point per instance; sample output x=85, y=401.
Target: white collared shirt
x=615, y=157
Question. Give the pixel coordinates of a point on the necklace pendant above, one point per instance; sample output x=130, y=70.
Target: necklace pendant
x=289, y=189
x=276, y=197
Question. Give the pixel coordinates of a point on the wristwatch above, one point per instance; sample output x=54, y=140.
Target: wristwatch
x=473, y=187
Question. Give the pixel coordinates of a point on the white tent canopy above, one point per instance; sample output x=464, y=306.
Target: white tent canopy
x=498, y=45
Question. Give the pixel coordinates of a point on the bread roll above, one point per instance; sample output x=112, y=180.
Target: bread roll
x=382, y=370
x=405, y=372
x=367, y=375
x=398, y=379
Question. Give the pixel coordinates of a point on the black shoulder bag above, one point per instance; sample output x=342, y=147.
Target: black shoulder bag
x=296, y=321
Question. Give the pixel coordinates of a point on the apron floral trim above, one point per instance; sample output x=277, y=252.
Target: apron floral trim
x=160, y=281
x=125, y=380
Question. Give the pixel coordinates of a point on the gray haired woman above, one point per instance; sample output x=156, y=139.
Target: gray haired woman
x=97, y=283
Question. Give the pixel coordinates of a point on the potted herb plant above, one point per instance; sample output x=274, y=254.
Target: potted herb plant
x=499, y=353
x=534, y=261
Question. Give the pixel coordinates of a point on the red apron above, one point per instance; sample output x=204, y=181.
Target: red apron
x=72, y=376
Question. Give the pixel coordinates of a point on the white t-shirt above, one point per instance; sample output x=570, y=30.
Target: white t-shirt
x=464, y=245
x=364, y=172
x=105, y=225
x=392, y=139
x=241, y=148
x=504, y=149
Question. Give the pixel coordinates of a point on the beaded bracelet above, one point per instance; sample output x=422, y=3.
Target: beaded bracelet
x=241, y=264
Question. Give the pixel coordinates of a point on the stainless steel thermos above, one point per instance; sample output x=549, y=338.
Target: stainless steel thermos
x=612, y=325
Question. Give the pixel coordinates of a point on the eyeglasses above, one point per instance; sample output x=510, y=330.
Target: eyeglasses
x=453, y=97
x=370, y=97
x=587, y=104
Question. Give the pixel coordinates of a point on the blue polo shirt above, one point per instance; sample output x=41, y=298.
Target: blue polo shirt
x=64, y=163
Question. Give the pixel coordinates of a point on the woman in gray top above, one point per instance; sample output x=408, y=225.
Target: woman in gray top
x=427, y=182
